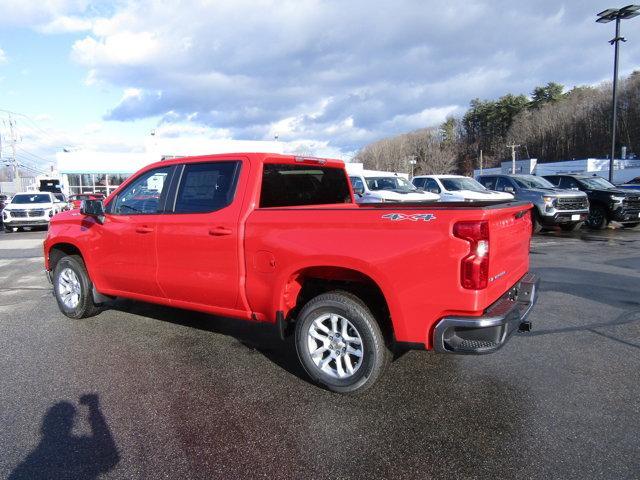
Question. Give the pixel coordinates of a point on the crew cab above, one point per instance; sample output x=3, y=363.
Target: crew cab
x=30, y=209
x=553, y=206
x=279, y=239
x=457, y=188
x=608, y=202
x=370, y=186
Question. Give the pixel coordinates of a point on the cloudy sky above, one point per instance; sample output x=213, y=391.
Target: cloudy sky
x=334, y=74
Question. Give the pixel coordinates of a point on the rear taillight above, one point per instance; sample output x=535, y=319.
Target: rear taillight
x=474, y=268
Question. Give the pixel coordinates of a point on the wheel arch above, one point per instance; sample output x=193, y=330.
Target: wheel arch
x=306, y=282
x=58, y=250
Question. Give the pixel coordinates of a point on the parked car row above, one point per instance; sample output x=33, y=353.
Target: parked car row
x=565, y=201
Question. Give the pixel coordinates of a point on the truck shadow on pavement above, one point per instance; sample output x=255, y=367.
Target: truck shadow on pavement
x=257, y=336
x=63, y=455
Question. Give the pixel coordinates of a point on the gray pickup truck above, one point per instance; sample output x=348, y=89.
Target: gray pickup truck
x=567, y=209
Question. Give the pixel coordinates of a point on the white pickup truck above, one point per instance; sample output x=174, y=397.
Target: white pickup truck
x=30, y=209
x=370, y=186
x=456, y=188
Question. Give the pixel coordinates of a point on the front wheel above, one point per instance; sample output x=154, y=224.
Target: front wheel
x=339, y=343
x=597, y=218
x=571, y=227
x=73, y=288
x=8, y=229
x=536, y=225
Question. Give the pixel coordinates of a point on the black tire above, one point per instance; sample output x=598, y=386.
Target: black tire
x=536, y=226
x=630, y=225
x=597, y=219
x=85, y=306
x=571, y=227
x=375, y=353
x=8, y=229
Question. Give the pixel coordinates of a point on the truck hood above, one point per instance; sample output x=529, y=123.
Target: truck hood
x=403, y=196
x=489, y=195
x=28, y=206
x=557, y=192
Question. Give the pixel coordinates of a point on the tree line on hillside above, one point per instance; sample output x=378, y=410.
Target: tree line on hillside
x=551, y=125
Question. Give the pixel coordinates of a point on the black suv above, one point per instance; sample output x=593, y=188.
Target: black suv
x=607, y=202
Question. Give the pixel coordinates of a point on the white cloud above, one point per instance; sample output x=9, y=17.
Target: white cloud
x=3, y=57
x=66, y=24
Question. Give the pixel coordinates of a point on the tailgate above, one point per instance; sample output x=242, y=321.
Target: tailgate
x=509, y=240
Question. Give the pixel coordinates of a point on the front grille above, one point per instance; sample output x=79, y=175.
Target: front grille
x=632, y=203
x=36, y=213
x=572, y=203
x=18, y=213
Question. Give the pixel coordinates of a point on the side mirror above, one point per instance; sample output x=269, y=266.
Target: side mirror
x=358, y=191
x=509, y=189
x=93, y=208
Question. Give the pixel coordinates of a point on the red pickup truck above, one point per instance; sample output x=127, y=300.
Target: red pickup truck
x=279, y=239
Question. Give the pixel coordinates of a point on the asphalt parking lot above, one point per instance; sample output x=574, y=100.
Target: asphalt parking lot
x=142, y=391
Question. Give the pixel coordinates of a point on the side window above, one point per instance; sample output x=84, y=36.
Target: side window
x=488, y=182
x=419, y=182
x=503, y=183
x=568, y=183
x=143, y=195
x=206, y=187
x=431, y=185
x=553, y=180
x=357, y=184
x=291, y=185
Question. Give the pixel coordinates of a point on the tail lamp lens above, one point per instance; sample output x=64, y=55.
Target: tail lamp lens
x=474, y=268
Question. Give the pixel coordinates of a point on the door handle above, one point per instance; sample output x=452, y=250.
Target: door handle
x=144, y=229
x=220, y=231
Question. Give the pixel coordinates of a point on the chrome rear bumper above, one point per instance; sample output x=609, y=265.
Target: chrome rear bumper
x=489, y=332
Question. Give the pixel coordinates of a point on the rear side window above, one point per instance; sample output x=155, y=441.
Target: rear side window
x=291, y=185
x=568, y=182
x=502, y=184
x=419, y=182
x=431, y=185
x=488, y=182
x=206, y=187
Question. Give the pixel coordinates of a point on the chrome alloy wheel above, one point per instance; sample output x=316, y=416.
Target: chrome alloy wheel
x=69, y=288
x=335, y=345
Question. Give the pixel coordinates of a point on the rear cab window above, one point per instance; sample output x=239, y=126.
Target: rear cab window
x=286, y=185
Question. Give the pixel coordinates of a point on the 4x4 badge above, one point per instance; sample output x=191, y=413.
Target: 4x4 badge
x=425, y=217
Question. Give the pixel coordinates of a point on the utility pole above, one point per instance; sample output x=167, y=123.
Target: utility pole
x=13, y=140
x=513, y=156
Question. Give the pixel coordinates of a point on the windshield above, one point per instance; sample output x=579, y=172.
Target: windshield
x=531, y=181
x=596, y=182
x=35, y=198
x=390, y=183
x=462, y=183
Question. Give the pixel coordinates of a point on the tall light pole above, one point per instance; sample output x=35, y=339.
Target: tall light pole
x=607, y=16
x=412, y=162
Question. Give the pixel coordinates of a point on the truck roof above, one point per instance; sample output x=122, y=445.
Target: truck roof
x=257, y=157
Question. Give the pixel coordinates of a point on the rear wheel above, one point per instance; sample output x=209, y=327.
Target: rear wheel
x=340, y=344
x=571, y=227
x=597, y=218
x=73, y=288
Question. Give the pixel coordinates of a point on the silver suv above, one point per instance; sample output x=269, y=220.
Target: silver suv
x=567, y=209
